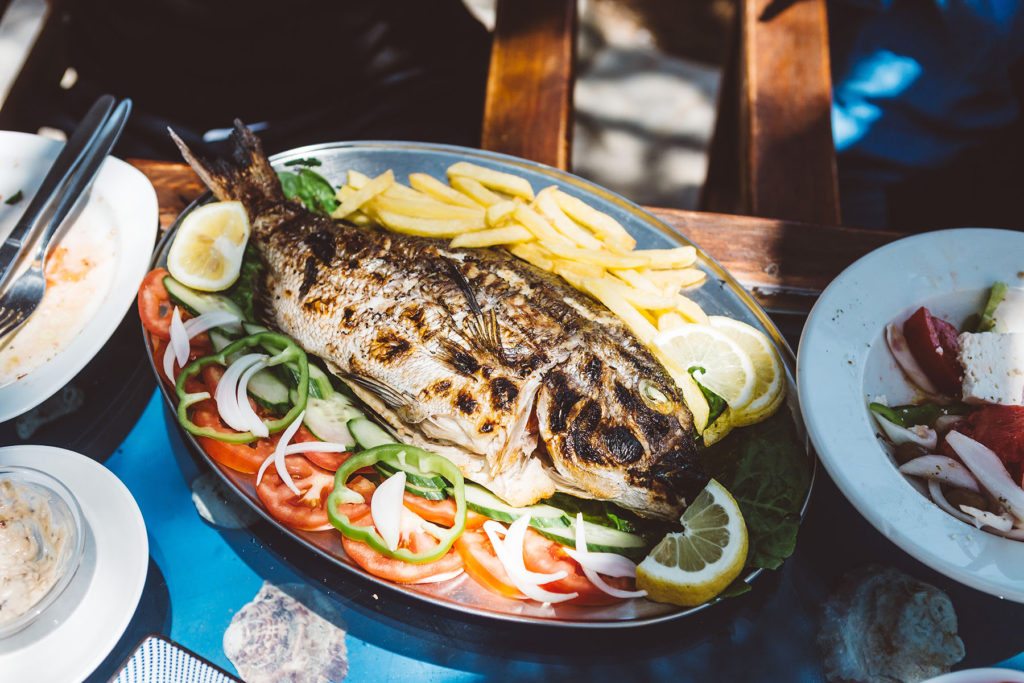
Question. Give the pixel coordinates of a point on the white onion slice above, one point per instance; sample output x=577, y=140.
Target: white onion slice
x=990, y=472
x=985, y=518
x=179, y=338
x=935, y=490
x=923, y=436
x=245, y=411
x=510, y=554
x=946, y=470
x=316, y=447
x=277, y=457
x=193, y=327
x=226, y=394
x=443, y=576
x=944, y=423
x=386, y=509
x=905, y=359
x=493, y=529
x=591, y=561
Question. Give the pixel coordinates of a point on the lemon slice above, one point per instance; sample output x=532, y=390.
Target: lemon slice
x=727, y=369
x=207, y=251
x=770, y=384
x=692, y=566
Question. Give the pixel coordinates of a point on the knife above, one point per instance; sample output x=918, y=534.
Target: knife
x=42, y=204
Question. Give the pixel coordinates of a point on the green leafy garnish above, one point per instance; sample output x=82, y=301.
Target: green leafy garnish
x=766, y=469
x=245, y=286
x=716, y=403
x=987, y=320
x=14, y=198
x=919, y=414
x=304, y=161
x=311, y=188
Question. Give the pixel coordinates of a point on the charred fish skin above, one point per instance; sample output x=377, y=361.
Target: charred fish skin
x=527, y=384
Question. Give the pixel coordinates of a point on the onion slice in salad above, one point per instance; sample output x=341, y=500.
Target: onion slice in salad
x=226, y=394
x=277, y=457
x=989, y=471
x=180, y=337
x=905, y=359
x=386, y=509
x=595, y=564
x=510, y=554
x=935, y=491
x=923, y=436
x=985, y=518
x=941, y=468
x=299, y=449
x=245, y=411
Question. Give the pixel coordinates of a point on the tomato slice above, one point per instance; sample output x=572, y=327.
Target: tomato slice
x=365, y=488
x=155, y=306
x=1001, y=428
x=398, y=571
x=933, y=343
x=243, y=457
x=328, y=461
x=441, y=511
x=483, y=564
x=543, y=555
x=200, y=347
x=307, y=511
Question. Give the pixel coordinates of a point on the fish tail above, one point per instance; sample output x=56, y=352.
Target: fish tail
x=246, y=176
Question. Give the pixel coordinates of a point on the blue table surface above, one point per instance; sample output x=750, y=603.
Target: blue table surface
x=200, y=575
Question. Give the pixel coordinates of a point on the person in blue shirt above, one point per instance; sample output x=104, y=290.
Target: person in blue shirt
x=926, y=112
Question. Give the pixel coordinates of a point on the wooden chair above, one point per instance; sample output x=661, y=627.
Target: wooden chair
x=771, y=155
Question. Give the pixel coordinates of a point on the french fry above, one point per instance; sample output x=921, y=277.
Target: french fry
x=548, y=207
x=359, y=218
x=497, y=213
x=636, y=279
x=475, y=191
x=357, y=180
x=495, y=180
x=533, y=253
x=575, y=273
x=539, y=226
x=670, y=321
x=640, y=298
x=511, y=234
x=600, y=258
x=689, y=309
x=430, y=185
x=679, y=257
x=604, y=291
x=369, y=191
x=601, y=223
x=426, y=227
x=674, y=280
x=428, y=208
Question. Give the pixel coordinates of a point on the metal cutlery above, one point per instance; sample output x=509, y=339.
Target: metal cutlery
x=26, y=292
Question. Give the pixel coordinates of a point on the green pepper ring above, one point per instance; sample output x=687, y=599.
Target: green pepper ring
x=415, y=458
x=288, y=351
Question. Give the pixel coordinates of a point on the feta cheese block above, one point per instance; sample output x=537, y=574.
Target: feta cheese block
x=993, y=366
x=1008, y=316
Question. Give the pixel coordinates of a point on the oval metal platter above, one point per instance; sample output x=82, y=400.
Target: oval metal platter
x=721, y=294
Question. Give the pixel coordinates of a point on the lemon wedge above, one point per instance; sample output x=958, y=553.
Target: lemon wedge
x=725, y=368
x=207, y=251
x=770, y=381
x=693, y=566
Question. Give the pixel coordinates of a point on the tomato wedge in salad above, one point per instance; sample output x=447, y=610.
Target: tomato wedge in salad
x=155, y=306
x=545, y=556
x=397, y=570
x=306, y=511
x=933, y=343
x=241, y=457
x=483, y=565
x=440, y=511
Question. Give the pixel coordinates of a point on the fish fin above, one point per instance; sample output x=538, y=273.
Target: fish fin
x=399, y=401
x=482, y=329
x=246, y=177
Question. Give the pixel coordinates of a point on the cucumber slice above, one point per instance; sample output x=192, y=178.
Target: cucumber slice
x=600, y=539
x=434, y=482
x=486, y=503
x=254, y=328
x=198, y=303
x=429, y=494
x=328, y=418
x=319, y=383
x=219, y=339
x=270, y=392
x=368, y=434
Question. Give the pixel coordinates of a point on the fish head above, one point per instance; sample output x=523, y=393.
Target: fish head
x=618, y=431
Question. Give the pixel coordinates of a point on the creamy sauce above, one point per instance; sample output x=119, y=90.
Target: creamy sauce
x=79, y=273
x=32, y=542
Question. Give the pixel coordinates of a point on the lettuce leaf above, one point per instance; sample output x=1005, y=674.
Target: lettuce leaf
x=243, y=290
x=767, y=470
x=311, y=188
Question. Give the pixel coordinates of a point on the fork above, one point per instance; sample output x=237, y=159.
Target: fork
x=26, y=292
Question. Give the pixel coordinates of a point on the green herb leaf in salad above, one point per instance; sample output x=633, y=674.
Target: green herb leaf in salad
x=919, y=414
x=766, y=469
x=304, y=161
x=716, y=403
x=14, y=198
x=245, y=286
x=311, y=188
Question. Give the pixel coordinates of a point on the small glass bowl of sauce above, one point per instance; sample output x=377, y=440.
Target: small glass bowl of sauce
x=42, y=537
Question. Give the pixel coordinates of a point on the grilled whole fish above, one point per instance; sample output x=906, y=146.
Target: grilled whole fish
x=527, y=385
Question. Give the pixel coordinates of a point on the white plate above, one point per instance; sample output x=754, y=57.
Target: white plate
x=121, y=197
x=980, y=676
x=70, y=639
x=843, y=363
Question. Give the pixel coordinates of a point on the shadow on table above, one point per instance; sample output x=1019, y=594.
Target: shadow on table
x=766, y=635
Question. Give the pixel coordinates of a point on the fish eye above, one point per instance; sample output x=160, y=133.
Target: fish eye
x=654, y=397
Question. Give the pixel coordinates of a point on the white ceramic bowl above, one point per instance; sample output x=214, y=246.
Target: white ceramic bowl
x=980, y=676
x=843, y=363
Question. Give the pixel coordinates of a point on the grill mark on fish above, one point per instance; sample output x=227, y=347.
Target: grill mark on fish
x=563, y=400
x=321, y=243
x=623, y=446
x=458, y=358
x=389, y=347
x=309, y=277
x=503, y=393
x=466, y=402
